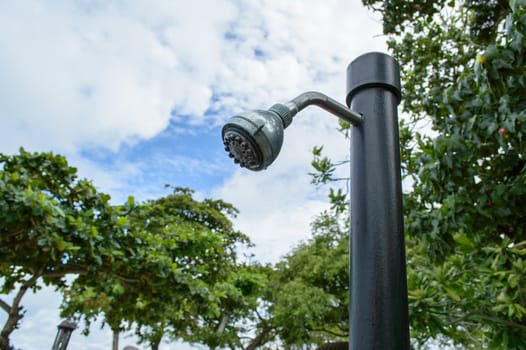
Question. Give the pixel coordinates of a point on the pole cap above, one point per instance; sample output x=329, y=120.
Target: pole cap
x=67, y=324
x=373, y=70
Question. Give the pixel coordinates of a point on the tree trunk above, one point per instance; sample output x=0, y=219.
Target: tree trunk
x=4, y=342
x=13, y=317
x=222, y=325
x=156, y=336
x=155, y=344
x=116, y=333
x=258, y=340
x=14, y=312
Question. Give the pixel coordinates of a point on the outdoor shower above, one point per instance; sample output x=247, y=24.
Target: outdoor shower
x=378, y=291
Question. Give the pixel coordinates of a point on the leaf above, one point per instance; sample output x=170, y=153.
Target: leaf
x=463, y=240
x=453, y=294
x=117, y=288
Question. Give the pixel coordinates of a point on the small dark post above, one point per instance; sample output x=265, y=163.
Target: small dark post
x=378, y=305
x=65, y=328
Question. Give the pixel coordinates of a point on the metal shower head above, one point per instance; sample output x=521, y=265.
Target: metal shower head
x=254, y=138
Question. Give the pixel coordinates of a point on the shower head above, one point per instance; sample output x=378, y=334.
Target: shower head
x=254, y=138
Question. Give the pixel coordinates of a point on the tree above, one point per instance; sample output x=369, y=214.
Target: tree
x=463, y=151
x=51, y=225
x=203, y=243
x=310, y=287
x=466, y=210
x=305, y=300
x=177, y=274
x=164, y=267
x=239, y=295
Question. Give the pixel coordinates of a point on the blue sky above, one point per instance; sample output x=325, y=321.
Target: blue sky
x=134, y=93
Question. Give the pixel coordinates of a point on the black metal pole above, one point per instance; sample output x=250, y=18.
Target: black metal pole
x=378, y=305
x=65, y=329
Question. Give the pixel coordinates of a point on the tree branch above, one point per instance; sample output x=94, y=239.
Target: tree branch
x=488, y=318
x=329, y=332
x=460, y=319
x=264, y=321
x=259, y=339
x=5, y=306
x=14, y=314
x=504, y=322
x=128, y=280
x=15, y=233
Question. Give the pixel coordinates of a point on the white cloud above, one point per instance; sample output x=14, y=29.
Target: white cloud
x=101, y=76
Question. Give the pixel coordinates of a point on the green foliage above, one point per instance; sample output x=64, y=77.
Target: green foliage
x=50, y=220
x=165, y=267
x=465, y=213
x=324, y=168
x=307, y=293
x=238, y=297
x=176, y=273
x=51, y=224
